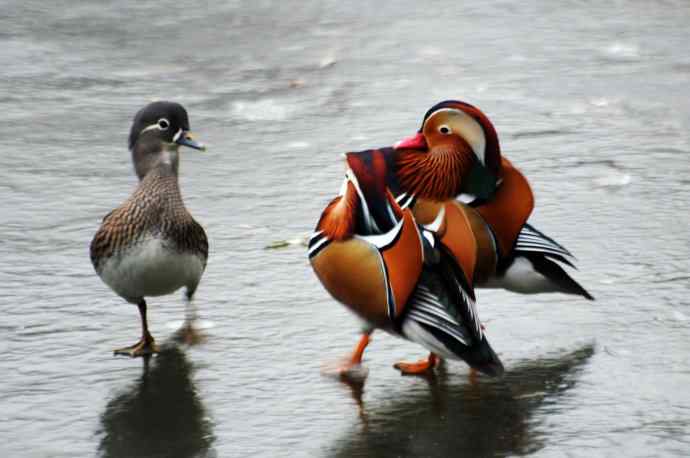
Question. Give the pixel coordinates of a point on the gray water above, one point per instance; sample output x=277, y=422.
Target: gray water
x=590, y=100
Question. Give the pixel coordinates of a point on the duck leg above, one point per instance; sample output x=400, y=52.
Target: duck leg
x=146, y=344
x=420, y=367
x=350, y=367
x=356, y=358
x=188, y=333
x=359, y=349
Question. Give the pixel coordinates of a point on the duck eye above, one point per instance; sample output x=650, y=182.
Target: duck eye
x=445, y=130
x=163, y=124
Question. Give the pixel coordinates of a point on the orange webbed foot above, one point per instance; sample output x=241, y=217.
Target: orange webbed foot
x=350, y=367
x=423, y=366
x=346, y=369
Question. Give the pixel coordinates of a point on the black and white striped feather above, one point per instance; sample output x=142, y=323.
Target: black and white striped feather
x=444, y=299
x=426, y=308
x=442, y=316
x=535, y=266
x=531, y=240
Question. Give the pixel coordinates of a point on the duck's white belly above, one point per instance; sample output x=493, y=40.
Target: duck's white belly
x=521, y=277
x=151, y=269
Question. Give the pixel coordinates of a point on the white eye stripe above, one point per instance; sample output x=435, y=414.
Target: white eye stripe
x=162, y=125
x=469, y=129
x=151, y=127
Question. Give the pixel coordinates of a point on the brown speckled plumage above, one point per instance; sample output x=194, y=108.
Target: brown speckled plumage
x=155, y=209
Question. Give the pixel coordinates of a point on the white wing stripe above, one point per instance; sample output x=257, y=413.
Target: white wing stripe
x=405, y=200
x=529, y=235
x=318, y=245
x=447, y=329
x=537, y=239
x=540, y=249
x=425, y=309
x=472, y=308
x=531, y=244
x=383, y=240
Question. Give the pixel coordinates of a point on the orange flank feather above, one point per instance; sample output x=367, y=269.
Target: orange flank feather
x=460, y=240
x=404, y=260
x=339, y=218
x=508, y=211
x=435, y=174
x=486, y=250
x=360, y=275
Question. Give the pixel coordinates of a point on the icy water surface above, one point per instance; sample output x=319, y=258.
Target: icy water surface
x=590, y=100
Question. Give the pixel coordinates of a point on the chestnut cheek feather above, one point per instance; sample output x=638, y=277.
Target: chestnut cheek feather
x=436, y=175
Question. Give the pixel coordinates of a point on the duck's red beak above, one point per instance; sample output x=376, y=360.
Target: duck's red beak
x=417, y=141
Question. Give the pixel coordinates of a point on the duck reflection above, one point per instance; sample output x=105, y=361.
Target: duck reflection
x=160, y=416
x=489, y=418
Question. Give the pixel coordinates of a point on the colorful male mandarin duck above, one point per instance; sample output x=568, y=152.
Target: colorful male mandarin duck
x=371, y=255
x=456, y=151
x=150, y=245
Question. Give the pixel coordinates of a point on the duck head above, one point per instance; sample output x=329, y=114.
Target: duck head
x=461, y=142
x=158, y=130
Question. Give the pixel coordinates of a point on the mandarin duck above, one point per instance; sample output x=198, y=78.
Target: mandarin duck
x=456, y=152
x=150, y=245
x=371, y=255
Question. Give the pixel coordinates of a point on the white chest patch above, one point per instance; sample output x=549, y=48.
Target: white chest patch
x=151, y=269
